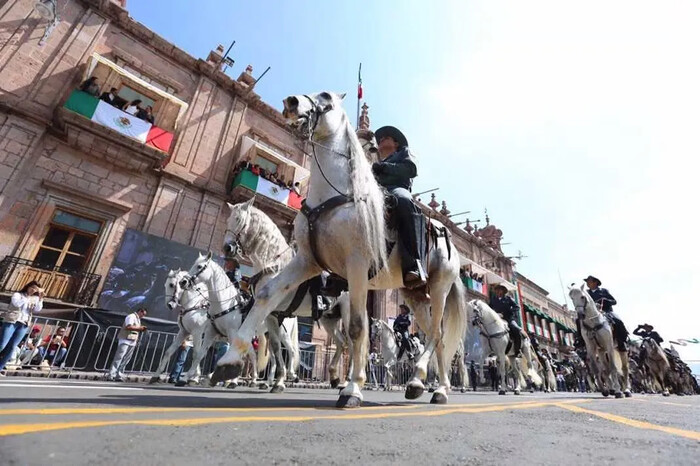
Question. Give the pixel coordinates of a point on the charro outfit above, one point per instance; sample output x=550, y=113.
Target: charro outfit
x=508, y=308
x=401, y=326
x=395, y=174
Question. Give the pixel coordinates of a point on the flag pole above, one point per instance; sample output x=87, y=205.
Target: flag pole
x=359, y=95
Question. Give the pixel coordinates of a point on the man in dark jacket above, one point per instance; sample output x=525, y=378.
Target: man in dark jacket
x=647, y=331
x=401, y=325
x=508, y=309
x=395, y=172
x=605, y=301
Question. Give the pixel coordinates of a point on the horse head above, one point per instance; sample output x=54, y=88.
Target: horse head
x=238, y=221
x=581, y=299
x=200, y=272
x=317, y=116
x=173, y=288
x=477, y=312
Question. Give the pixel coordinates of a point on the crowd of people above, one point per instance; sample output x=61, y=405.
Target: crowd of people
x=272, y=177
x=133, y=107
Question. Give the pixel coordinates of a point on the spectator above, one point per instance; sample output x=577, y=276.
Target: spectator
x=233, y=272
x=128, y=337
x=255, y=169
x=31, y=343
x=23, y=304
x=91, y=86
x=133, y=107
x=112, y=98
x=182, y=353
x=493, y=374
x=297, y=188
x=53, y=348
x=146, y=115
x=473, y=377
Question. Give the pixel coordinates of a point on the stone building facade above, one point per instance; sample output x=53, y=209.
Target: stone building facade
x=551, y=323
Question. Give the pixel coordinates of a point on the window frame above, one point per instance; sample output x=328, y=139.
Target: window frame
x=64, y=251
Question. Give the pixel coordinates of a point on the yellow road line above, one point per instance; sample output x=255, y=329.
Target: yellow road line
x=691, y=434
x=57, y=411
x=16, y=429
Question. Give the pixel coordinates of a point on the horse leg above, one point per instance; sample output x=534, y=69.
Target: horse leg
x=501, y=357
x=624, y=360
x=437, y=301
x=163, y=366
x=201, y=342
x=332, y=327
x=358, y=330
x=267, y=299
x=292, y=352
x=275, y=343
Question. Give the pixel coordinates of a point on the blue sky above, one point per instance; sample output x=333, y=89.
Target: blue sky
x=574, y=124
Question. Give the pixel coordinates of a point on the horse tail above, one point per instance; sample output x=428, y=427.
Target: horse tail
x=294, y=335
x=530, y=365
x=617, y=362
x=455, y=318
x=263, y=352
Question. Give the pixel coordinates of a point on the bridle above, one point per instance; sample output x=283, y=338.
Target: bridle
x=236, y=248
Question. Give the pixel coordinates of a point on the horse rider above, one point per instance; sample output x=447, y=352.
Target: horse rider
x=508, y=309
x=401, y=325
x=395, y=172
x=647, y=331
x=605, y=301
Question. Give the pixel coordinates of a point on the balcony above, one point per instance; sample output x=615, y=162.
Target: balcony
x=63, y=285
x=281, y=197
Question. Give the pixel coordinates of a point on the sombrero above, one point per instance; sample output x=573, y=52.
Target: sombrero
x=393, y=133
x=591, y=277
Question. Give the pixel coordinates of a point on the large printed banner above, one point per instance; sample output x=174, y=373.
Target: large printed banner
x=137, y=276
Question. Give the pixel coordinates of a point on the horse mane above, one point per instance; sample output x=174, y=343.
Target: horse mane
x=265, y=240
x=368, y=197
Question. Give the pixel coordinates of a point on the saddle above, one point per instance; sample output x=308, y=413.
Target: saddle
x=399, y=338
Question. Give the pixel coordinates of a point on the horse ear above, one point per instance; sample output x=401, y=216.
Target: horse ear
x=230, y=206
x=250, y=202
x=342, y=96
x=209, y=255
x=583, y=287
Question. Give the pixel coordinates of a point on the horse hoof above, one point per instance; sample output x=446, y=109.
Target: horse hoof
x=335, y=383
x=618, y=395
x=501, y=392
x=463, y=390
x=154, y=379
x=348, y=401
x=277, y=389
x=232, y=385
x=666, y=394
x=516, y=392
x=180, y=383
x=263, y=386
x=628, y=394
x=605, y=393
x=532, y=391
x=224, y=373
x=431, y=390
x=296, y=379
x=438, y=399
x=413, y=392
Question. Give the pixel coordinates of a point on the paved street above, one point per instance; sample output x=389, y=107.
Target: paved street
x=65, y=422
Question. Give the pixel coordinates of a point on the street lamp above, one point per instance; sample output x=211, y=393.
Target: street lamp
x=47, y=9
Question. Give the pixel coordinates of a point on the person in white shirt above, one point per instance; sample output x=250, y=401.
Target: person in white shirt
x=128, y=337
x=133, y=107
x=15, y=320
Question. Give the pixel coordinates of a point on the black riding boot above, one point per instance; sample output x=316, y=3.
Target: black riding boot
x=412, y=247
x=620, y=333
x=515, y=336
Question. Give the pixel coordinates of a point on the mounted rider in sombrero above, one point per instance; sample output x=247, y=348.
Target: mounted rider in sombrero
x=605, y=301
x=395, y=172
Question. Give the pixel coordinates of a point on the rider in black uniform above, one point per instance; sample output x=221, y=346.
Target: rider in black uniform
x=395, y=172
x=508, y=309
x=605, y=301
x=647, y=331
x=401, y=325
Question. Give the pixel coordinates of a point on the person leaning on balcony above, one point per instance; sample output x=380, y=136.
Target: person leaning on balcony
x=23, y=304
x=133, y=107
x=128, y=337
x=91, y=86
x=112, y=98
x=146, y=114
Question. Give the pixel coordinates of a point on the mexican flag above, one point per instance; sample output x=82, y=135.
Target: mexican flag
x=268, y=189
x=115, y=119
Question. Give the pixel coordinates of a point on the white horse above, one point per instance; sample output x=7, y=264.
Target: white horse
x=350, y=240
x=493, y=331
x=609, y=366
x=390, y=350
x=656, y=363
x=257, y=238
x=226, y=305
x=192, y=320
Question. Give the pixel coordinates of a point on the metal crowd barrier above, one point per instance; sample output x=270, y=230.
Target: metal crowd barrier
x=44, y=350
x=149, y=350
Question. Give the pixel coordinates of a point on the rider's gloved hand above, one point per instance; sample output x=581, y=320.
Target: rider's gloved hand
x=377, y=168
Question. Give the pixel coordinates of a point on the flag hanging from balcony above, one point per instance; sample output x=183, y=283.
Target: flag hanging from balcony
x=268, y=189
x=113, y=118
